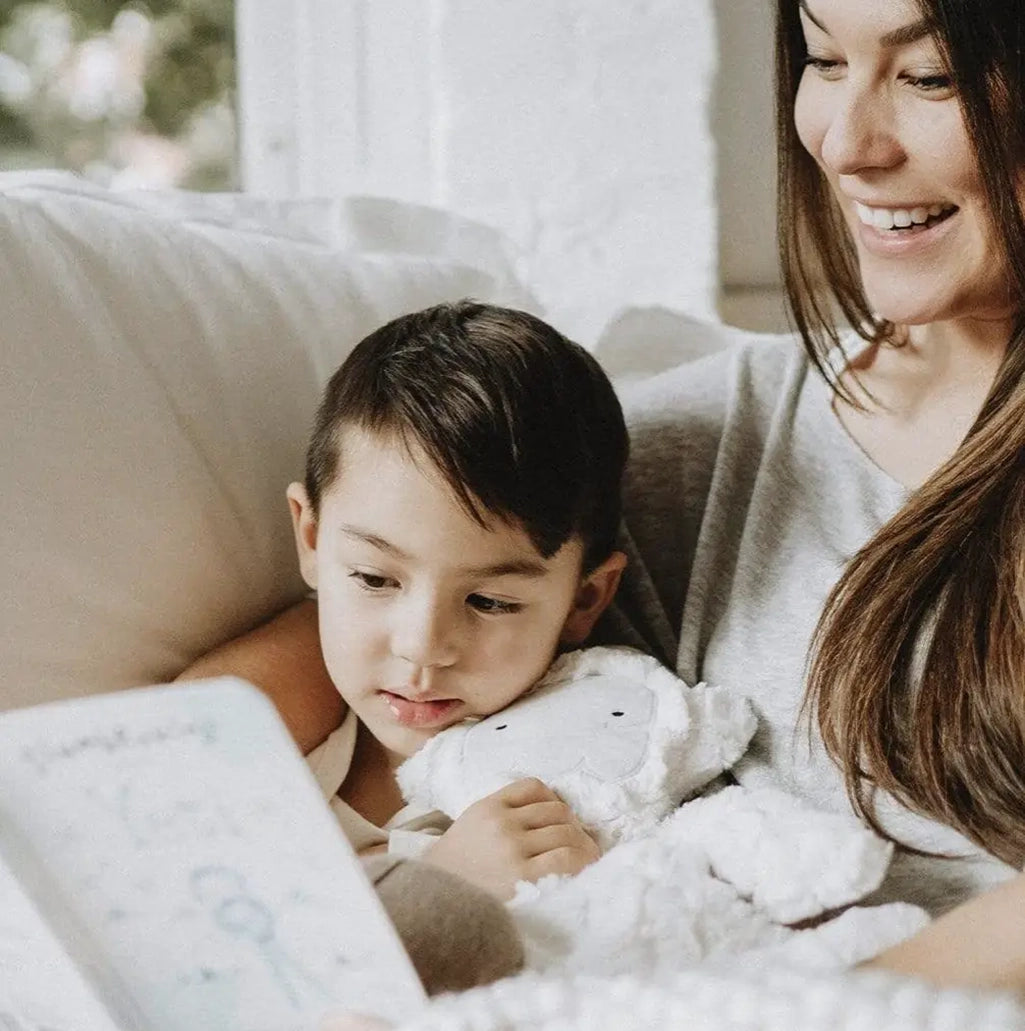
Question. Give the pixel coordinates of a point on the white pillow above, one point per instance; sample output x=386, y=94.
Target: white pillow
x=644, y=341
x=160, y=372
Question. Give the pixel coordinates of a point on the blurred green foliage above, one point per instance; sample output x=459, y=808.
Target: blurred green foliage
x=120, y=90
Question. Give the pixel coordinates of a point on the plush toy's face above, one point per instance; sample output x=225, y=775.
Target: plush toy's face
x=615, y=734
x=599, y=725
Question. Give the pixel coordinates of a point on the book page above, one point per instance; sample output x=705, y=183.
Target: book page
x=40, y=988
x=177, y=843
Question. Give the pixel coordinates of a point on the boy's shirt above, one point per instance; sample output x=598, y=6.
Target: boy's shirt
x=408, y=833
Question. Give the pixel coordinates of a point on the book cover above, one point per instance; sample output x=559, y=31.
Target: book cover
x=175, y=845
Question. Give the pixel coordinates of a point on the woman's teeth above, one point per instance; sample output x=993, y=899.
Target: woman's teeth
x=902, y=218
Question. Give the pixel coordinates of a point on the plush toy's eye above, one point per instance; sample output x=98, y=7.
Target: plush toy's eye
x=617, y=714
x=502, y=726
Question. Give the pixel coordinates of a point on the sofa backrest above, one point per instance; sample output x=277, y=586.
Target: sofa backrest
x=162, y=357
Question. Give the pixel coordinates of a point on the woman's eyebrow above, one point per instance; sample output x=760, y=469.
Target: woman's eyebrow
x=811, y=17
x=902, y=37
x=907, y=34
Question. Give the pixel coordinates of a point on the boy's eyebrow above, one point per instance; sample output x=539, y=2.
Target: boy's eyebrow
x=517, y=567
x=514, y=567
x=371, y=538
x=902, y=37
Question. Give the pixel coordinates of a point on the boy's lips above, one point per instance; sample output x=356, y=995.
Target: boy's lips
x=428, y=712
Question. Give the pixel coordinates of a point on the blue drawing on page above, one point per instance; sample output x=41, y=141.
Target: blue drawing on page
x=242, y=916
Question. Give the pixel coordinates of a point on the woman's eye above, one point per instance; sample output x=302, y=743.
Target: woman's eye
x=371, y=581
x=931, y=83
x=482, y=603
x=824, y=66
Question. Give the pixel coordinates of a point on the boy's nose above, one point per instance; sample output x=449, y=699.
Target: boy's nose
x=424, y=637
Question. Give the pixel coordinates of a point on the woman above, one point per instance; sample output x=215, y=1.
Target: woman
x=840, y=531
x=902, y=484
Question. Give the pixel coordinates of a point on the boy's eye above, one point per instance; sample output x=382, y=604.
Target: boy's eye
x=482, y=603
x=371, y=581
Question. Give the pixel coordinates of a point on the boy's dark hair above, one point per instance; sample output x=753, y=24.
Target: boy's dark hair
x=522, y=423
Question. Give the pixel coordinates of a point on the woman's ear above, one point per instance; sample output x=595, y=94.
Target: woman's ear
x=593, y=596
x=304, y=526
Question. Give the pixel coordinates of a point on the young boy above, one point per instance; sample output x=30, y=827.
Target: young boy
x=457, y=522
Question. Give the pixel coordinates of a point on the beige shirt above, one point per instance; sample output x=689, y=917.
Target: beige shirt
x=408, y=833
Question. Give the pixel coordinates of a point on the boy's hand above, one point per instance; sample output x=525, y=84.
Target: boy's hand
x=353, y=1022
x=522, y=832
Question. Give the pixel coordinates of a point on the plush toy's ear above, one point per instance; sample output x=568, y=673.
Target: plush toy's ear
x=593, y=596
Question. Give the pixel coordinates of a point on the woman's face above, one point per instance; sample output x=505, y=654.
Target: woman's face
x=878, y=112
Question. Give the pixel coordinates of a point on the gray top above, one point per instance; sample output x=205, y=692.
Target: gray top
x=744, y=499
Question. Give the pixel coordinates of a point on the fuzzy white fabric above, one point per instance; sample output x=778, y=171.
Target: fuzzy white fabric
x=721, y=875
x=618, y=736
x=623, y=740
x=719, y=999
x=650, y=938
x=684, y=921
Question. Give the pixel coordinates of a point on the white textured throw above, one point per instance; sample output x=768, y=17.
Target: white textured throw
x=719, y=1000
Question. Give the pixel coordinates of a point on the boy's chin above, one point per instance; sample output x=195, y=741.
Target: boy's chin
x=401, y=743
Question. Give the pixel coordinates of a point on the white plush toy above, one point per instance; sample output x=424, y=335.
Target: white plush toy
x=622, y=741
x=613, y=732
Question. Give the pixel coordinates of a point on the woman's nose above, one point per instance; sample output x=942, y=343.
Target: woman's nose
x=861, y=134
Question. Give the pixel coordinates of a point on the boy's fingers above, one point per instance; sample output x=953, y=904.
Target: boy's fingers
x=551, y=839
x=564, y=860
x=525, y=791
x=353, y=1022
x=545, y=814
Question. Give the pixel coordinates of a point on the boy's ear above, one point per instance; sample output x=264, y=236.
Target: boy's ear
x=593, y=595
x=304, y=526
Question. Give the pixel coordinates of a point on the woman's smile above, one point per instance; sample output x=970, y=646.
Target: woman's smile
x=903, y=232
x=903, y=216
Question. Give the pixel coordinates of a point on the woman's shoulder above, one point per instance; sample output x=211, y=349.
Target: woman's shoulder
x=738, y=370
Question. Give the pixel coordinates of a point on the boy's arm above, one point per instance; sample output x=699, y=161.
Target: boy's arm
x=283, y=659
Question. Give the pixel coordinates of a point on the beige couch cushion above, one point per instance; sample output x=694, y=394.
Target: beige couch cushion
x=161, y=362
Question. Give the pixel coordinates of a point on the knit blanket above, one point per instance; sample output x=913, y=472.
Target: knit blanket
x=734, y=915
x=719, y=997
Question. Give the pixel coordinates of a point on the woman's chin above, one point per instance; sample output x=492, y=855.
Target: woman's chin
x=921, y=300
x=901, y=312
x=905, y=310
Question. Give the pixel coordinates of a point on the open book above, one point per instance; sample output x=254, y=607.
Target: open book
x=167, y=862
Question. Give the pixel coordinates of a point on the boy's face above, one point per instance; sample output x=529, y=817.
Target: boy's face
x=427, y=618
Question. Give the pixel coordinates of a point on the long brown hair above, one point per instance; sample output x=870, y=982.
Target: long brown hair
x=917, y=667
